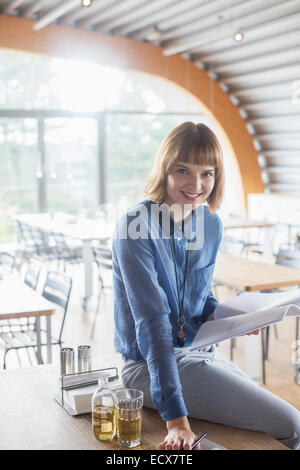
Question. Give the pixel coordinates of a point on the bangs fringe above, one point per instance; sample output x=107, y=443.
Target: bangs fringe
x=198, y=146
x=188, y=142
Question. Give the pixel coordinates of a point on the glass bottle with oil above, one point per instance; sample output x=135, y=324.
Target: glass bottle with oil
x=103, y=411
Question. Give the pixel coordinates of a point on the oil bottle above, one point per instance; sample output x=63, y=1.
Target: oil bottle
x=103, y=411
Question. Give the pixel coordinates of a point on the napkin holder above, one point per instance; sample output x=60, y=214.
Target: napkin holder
x=76, y=390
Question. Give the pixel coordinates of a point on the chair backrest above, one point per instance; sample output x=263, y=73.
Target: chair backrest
x=60, y=242
x=32, y=273
x=7, y=261
x=57, y=289
x=102, y=257
x=232, y=246
x=26, y=234
x=287, y=257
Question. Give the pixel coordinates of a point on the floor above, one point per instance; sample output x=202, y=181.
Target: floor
x=279, y=369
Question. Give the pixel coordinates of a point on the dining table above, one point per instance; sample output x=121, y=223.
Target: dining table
x=246, y=224
x=19, y=301
x=31, y=419
x=84, y=229
x=245, y=275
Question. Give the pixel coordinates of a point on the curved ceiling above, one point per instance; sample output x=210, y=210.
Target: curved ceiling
x=261, y=73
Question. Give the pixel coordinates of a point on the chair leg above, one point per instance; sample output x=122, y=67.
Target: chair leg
x=267, y=343
x=263, y=357
x=96, y=313
x=4, y=358
x=232, y=346
x=297, y=338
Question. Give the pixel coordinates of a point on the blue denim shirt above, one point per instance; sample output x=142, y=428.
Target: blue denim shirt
x=146, y=300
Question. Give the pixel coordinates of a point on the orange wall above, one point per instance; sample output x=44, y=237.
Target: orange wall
x=69, y=43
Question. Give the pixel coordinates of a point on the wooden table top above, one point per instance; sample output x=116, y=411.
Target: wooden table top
x=247, y=275
x=236, y=222
x=18, y=301
x=32, y=419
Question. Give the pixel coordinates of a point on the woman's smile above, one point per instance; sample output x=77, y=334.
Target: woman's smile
x=190, y=196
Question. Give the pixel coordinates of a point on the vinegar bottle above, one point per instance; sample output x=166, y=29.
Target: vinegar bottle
x=103, y=411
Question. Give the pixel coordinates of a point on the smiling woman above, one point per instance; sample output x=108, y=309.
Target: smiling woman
x=162, y=298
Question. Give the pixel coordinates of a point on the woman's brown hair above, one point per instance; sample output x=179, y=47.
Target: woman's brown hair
x=188, y=142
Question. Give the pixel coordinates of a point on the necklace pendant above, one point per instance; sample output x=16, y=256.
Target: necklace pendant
x=181, y=338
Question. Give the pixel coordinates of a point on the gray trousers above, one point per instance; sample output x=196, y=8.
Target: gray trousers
x=216, y=390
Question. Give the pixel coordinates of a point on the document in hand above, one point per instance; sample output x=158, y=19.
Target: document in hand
x=245, y=313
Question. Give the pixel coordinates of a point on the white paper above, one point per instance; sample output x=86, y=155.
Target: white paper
x=80, y=399
x=245, y=313
x=254, y=301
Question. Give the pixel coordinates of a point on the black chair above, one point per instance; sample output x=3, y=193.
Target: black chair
x=103, y=258
x=7, y=261
x=33, y=273
x=42, y=245
x=57, y=289
x=25, y=239
x=232, y=246
x=66, y=251
x=31, y=280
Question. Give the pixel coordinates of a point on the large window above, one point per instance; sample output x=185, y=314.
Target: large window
x=132, y=143
x=74, y=135
x=18, y=171
x=71, y=163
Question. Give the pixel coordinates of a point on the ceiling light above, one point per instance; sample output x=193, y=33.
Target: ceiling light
x=86, y=3
x=152, y=33
x=239, y=36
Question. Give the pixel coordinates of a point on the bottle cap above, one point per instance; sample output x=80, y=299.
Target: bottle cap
x=103, y=380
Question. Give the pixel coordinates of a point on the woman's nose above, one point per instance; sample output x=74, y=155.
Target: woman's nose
x=196, y=184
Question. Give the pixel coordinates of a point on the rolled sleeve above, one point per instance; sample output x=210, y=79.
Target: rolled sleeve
x=209, y=307
x=172, y=409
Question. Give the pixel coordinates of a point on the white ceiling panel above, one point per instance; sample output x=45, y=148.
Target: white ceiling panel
x=261, y=73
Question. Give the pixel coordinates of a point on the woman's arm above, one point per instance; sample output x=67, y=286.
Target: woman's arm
x=145, y=325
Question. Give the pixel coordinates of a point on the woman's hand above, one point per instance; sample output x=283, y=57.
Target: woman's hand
x=180, y=436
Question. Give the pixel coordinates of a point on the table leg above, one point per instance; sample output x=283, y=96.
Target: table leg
x=88, y=271
x=252, y=356
x=49, y=339
x=38, y=339
x=268, y=244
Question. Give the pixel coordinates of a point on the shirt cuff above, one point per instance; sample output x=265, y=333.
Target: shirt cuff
x=172, y=409
x=209, y=308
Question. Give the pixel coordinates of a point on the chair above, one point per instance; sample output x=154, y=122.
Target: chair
x=25, y=239
x=232, y=246
x=103, y=258
x=32, y=274
x=57, y=289
x=31, y=280
x=7, y=261
x=66, y=251
x=43, y=248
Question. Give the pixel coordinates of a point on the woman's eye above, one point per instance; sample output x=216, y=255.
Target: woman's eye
x=182, y=171
x=208, y=174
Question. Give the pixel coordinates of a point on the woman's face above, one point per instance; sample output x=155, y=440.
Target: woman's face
x=189, y=184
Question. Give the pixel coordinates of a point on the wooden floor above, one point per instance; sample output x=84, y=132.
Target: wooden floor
x=279, y=371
